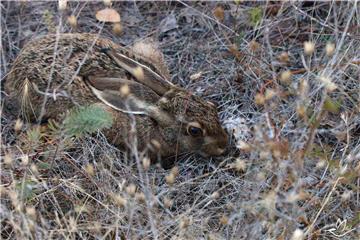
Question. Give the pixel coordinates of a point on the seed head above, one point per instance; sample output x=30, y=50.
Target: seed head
x=269, y=94
x=330, y=49
x=72, y=224
x=31, y=212
x=119, y=200
x=34, y=169
x=346, y=195
x=303, y=88
x=8, y=160
x=284, y=57
x=184, y=223
x=107, y=3
x=219, y=13
x=175, y=171
x=244, y=146
x=215, y=195
x=131, y=189
x=259, y=99
x=62, y=5
x=146, y=163
x=124, y=90
x=168, y=202
x=18, y=125
x=72, y=21
x=321, y=164
x=298, y=235
x=170, y=179
x=138, y=73
x=195, y=76
x=309, y=48
x=89, y=168
x=117, y=28
x=261, y=177
x=264, y=155
x=329, y=85
x=286, y=76
x=224, y=220
x=240, y=165
x=254, y=46
x=140, y=196
x=301, y=111
x=25, y=160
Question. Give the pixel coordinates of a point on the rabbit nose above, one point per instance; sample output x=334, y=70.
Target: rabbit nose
x=222, y=145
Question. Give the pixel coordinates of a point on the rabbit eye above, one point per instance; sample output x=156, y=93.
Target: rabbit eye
x=194, y=131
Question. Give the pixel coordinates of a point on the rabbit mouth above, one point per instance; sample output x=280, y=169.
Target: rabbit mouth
x=214, y=152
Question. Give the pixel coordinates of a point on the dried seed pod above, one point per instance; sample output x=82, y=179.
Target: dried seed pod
x=131, y=189
x=168, y=202
x=286, y=76
x=330, y=49
x=140, y=196
x=309, y=48
x=18, y=125
x=72, y=21
x=62, y=4
x=119, y=200
x=89, y=168
x=117, y=28
x=146, y=163
x=224, y=220
x=170, y=179
x=107, y=3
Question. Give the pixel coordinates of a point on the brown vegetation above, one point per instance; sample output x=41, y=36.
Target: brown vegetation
x=285, y=77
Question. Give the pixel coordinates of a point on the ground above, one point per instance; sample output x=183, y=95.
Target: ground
x=285, y=77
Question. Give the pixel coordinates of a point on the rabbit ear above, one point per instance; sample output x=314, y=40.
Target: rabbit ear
x=148, y=50
x=136, y=99
x=142, y=73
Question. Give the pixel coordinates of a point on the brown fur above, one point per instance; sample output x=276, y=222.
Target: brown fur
x=80, y=56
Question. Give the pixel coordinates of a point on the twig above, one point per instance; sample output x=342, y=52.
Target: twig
x=323, y=206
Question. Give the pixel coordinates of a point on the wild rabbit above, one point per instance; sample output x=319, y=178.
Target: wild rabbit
x=54, y=73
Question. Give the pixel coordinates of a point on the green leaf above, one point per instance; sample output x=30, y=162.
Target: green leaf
x=53, y=126
x=320, y=152
x=237, y=2
x=355, y=221
x=256, y=15
x=43, y=165
x=87, y=119
x=34, y=134
x=331, y=106
x=240, y=38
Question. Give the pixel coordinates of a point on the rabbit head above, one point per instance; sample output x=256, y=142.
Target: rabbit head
x=192, y=123
x=184, y=122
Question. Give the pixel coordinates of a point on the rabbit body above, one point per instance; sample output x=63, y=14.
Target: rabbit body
x=53, y=74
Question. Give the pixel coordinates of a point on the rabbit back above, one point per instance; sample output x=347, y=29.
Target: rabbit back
x=56, y=67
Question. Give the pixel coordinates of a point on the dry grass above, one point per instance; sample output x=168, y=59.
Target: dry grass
x=293, y=168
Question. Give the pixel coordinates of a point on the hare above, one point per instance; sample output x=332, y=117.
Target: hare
x=54, y=73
